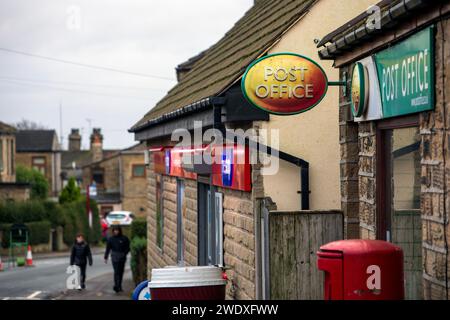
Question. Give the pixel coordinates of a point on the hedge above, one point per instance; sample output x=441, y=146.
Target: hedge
x=30, y=211
x=139, y=259
x=42, y=214
x=76, y=221
x=139, y=228
x=38, y=233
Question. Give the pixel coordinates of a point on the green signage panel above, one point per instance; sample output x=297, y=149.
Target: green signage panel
x=406, y=75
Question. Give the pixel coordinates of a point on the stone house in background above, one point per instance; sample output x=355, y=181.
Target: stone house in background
x=395, y=147
x=75, y=158
x=207, y=215
x=120, y=179
x=9, y=188
x=40, y=150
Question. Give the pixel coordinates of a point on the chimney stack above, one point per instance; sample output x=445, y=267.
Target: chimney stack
x=97, y=145
x=75, y=140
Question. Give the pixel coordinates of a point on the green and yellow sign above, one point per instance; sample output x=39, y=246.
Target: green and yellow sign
x=284, y=83
x=359, y=89
x=406, y=75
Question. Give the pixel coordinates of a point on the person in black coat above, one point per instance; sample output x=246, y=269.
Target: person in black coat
x=80, y=256
x=119, y=246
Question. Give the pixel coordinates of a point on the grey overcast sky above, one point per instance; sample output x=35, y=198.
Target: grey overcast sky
x=141, y=36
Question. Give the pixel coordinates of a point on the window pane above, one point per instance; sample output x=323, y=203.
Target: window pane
x=38, y=161
x=406, y=168
x=40, y=169
x=1, y=155
x=406, y=225
x=181, y=208
x=159, y=212
x=97, y=176
x=138, y=170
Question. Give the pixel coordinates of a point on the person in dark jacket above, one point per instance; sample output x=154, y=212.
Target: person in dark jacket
x=119, y=246
x=81, y=255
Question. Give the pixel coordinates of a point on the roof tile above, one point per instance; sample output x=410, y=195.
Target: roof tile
x=227, y=60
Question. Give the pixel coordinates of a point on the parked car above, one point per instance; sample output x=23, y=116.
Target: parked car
x=119, y=218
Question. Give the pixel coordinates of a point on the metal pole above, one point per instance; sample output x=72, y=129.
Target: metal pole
x=88, y=204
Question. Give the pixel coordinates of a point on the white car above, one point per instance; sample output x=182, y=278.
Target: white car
x=119, y=218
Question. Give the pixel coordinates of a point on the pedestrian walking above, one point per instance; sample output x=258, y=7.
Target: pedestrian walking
x=80, y=256
x=119, y=246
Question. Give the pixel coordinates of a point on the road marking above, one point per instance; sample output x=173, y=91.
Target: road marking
x=34, y=295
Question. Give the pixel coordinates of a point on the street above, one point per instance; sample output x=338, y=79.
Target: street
x=47, y=280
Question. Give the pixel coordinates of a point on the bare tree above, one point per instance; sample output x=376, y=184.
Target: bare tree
x=25, y=124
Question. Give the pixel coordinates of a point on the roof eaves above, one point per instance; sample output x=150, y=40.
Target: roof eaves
x=358, y=32
x=193, y=107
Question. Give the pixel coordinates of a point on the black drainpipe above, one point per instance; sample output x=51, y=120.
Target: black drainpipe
x=304, y=167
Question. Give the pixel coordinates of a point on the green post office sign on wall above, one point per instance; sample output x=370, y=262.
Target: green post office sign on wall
x=406, y=75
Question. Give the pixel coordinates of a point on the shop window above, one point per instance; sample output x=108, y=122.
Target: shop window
x=159, y=211
x=39, y=164
x=210, y=226
x=181, y=212
x=138, y=170
x=399, y=215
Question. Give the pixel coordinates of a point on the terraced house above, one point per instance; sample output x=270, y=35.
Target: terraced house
x=206, y=214
x=40, y=150
x=10, y=190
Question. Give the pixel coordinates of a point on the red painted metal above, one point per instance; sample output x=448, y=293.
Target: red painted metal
x=189, y=293
x=349, y=270
x=241, y=169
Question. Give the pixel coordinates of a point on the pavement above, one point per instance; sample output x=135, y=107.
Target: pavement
x=46, y=280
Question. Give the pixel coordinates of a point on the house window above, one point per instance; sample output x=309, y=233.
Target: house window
x=12, y=157
x=159, y=212
x=210, y=228
x=181, y=207
x=98, y=177
x=39, y=164
x=138, y=171
x=1, y=155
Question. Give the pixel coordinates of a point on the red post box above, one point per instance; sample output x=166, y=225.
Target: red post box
x=362, y=270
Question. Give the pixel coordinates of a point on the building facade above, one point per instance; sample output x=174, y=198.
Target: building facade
x=7, y=153
x=393, y=124
x=120, y=180
x=208, y=214
x=40, y=150
x=10, y=190
x=75, y=158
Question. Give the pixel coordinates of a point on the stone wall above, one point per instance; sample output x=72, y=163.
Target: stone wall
x=134, y=190
x=435, y=196
x=7, y=169
x=239, y=243
x=160, y=257
x=238, y=228
x=349, y=168
x=111, y=174
x=14, y=191
x=366, y=179
x=358, y=175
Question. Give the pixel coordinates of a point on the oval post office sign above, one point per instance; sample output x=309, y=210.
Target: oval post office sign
x=284, y=83
x=359, y=89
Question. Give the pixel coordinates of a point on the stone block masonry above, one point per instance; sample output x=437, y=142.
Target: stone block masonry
x=238, y=229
